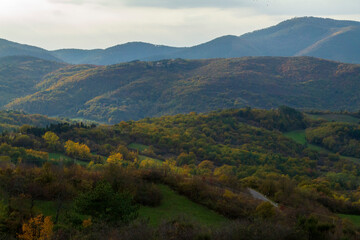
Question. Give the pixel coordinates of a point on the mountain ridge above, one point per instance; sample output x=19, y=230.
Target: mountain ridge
x=135, y=90
x=306, y=36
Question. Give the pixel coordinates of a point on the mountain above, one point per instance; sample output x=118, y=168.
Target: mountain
x=117, y=54
x=307, y=36
x=8, y=48
x=135, y=90
x=20, y=74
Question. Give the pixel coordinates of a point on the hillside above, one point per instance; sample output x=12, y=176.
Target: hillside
x=143, y=89
x=19, y=76
x=306, y=36
x=198, y=180
x=11, y=120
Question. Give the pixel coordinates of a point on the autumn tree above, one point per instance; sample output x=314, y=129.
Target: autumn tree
x=77, y=150
x=37, y=228
x=115, y=158
x=52, y=140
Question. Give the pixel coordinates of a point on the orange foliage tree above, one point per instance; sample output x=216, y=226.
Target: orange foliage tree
x=37, y=228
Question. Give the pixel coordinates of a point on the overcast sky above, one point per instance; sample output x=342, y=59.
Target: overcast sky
x=54, y=24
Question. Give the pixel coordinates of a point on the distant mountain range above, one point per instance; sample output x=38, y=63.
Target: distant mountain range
x=135, y=90
x=307, y=36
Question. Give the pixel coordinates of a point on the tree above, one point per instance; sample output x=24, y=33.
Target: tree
x=265, y=210
x=52, y=140
x=103, y=204
x=77, y=150
x=115, y=158
x=38, y=228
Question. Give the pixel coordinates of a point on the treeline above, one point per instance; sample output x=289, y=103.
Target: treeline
x=341, y=138
x=13, y=120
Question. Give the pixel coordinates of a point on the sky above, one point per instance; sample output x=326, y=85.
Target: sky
x=89, y=24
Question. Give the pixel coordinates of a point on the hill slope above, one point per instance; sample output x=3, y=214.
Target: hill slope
x=19, y=75
x=10, y=120
x=140, y=89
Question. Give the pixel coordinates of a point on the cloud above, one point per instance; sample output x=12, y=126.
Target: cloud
x=172, y=4
x=102, y=23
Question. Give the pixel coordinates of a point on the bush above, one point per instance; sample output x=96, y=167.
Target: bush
x=148, y=194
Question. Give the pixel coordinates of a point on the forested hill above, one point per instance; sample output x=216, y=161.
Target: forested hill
x=12, y=120
x=20, y=74
x=137, y=89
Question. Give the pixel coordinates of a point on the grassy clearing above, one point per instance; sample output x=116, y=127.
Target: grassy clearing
x=48, y=208
x=62, y=157
x=334, y=117
x=355, y=219
x=138, y=146
x=299, y=136
x=174, y=205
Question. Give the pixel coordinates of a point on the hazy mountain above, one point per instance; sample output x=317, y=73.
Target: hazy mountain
x=19, y=76
x=8, y=48
x=117, y=54
x=308, y=36
x=139, y=89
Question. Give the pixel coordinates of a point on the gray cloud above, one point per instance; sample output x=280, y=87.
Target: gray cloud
x=272, y=7
x=173, y=4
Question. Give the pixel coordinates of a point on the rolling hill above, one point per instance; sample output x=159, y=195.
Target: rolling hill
x=307, y=36
x=19, y=75
x=12, y=120
x=135, y=90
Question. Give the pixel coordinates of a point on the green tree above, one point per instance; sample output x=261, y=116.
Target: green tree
x=104, y=204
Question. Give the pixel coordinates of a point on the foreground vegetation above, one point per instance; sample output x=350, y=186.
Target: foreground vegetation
x=211, y=160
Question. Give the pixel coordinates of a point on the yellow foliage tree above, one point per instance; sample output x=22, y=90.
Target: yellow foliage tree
x=37, y=228
x=38, y=154
x=77, y=150
x=115, y=158
x=51, y=139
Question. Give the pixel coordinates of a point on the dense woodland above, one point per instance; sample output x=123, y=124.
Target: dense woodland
x=135, y=90
x=212, y=159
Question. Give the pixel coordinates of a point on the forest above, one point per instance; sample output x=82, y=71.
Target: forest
x=68, y=180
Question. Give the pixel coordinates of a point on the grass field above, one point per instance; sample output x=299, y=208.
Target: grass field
x=62, y=157
x=174, y=205
x=300, y=137
x=138, y=146
x=334, y=117
x=355, y=219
